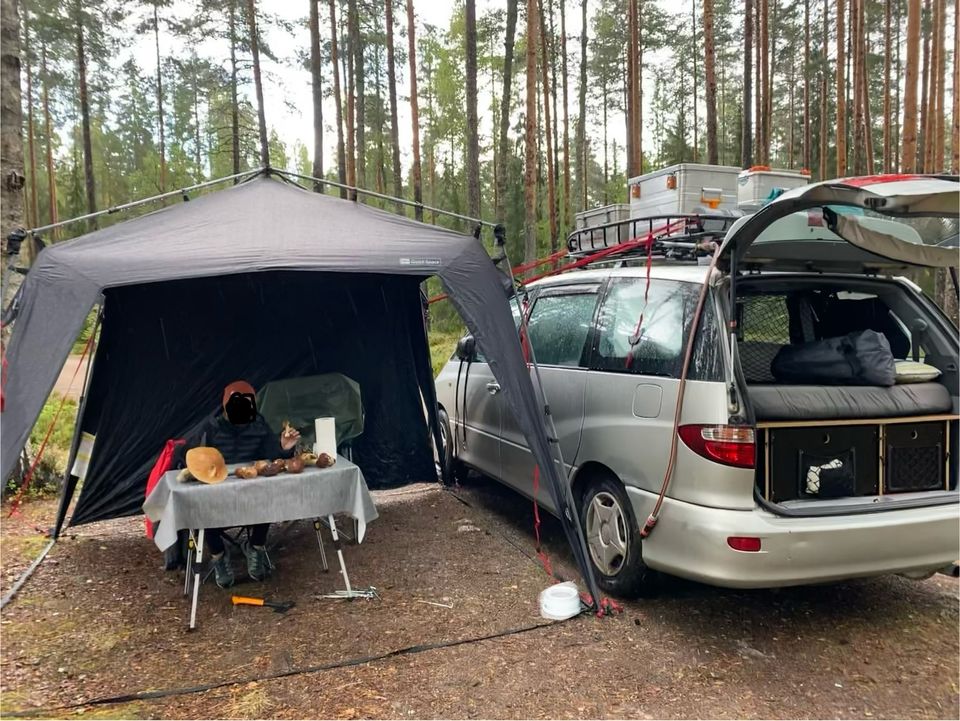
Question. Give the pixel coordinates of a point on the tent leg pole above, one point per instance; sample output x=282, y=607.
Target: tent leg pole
x=336, y=543
x=69, y=486
x=196, y=581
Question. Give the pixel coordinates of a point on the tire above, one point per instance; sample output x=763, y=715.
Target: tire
x=613, y=538
x=451, y=466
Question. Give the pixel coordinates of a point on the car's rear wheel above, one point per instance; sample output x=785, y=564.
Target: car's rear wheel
x=612, y=536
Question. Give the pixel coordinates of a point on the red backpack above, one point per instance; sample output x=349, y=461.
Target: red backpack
x=164, y=463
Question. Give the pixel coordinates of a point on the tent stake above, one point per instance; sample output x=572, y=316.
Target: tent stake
x=26, y=574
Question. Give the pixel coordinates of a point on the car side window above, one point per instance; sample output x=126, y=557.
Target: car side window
x=558, y=327
x=662, y=314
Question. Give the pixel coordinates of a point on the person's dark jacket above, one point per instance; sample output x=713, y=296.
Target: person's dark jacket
x=239, y=444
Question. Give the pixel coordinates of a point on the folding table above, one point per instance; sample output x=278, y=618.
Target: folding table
x=314, y=493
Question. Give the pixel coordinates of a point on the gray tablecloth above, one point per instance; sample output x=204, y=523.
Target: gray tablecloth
x=313, y=493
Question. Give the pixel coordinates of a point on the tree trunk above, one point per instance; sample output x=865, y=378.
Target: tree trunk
x=473, y=141
x=631, y=108
x=582, y=159
x=693, y=83
x=348, y=59
x=940, y=131
x=856, y=47
x=337, y=99
x=503, y=155
x=316, y=85
x=530, y=138
x=85, y=120
x=394, y=125
x=909, y=154
x=824, y=85
x=709, y=69
x=11, y=141
x=758, y=87
x=548, y=130
x=898, y=84
x=746, y=135
x=865, y=91
x=414, y=111
x=257, y=83
x=359, y=95
x=33, y=209
x=887, y=88
x=234, y=91
x=567, y=217
x=932, y=63
x=955, y=145
x=841, y=141
x=554, y=113
x=923, y=131
x=48, y=132
x=807, y=161
x=770, y=51
x=160, y=125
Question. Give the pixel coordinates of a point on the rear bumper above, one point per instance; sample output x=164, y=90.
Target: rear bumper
x=691, y=541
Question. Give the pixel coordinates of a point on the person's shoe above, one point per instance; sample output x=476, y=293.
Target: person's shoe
x=222, y=572
x=258, y=566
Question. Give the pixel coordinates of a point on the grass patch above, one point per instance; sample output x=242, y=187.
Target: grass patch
x=442, y=345
x=49, y=472
x=252, y=702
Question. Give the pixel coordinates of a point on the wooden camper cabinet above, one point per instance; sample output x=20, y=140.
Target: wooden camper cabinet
x=810, y=460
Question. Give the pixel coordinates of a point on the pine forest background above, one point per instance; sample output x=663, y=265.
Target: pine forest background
x=509, y=114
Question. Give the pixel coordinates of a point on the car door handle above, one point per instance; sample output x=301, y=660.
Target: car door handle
x=493, y=388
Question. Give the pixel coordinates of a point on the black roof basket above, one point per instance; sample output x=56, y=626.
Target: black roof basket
x=677, y=237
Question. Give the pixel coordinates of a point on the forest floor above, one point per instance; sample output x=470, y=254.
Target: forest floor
x=99, y=619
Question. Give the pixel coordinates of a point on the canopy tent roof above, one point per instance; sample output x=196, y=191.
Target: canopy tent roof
x=266, y=224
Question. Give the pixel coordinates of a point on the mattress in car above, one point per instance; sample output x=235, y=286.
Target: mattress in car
x=811, y=402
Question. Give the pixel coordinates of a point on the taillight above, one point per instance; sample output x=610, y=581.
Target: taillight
x=750, y=544
x=730, y=445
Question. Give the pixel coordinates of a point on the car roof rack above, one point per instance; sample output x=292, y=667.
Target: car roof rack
x=672, y=237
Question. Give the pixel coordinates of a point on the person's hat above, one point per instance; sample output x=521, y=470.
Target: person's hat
x=241, y=387
x=206, y=464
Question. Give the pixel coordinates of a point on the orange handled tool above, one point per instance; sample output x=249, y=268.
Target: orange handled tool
x=277, y=606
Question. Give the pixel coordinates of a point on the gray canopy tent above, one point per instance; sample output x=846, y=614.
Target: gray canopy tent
x=273, y=235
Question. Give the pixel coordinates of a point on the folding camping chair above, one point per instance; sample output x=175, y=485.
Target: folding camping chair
x=299, y=401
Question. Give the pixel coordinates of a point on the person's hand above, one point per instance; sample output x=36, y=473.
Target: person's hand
x=289, y=437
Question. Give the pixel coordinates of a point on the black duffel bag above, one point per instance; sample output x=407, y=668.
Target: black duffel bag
x=861, y=358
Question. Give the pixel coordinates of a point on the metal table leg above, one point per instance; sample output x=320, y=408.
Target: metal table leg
x=337, y=545
x=191, y=550
x=196, y=580
x=323, y=553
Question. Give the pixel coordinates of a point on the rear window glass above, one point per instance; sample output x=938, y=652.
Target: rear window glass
x=644, y=331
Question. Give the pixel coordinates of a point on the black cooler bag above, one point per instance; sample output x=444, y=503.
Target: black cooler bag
x=862, y=358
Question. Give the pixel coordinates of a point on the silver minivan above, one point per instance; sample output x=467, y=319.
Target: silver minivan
x=760, y=479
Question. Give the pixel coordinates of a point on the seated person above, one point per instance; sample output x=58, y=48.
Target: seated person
x=241, y=435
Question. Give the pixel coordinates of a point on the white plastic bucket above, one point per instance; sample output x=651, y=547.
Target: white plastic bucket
x=560, y=601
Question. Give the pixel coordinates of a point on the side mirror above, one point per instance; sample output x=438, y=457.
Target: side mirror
x=467, y=348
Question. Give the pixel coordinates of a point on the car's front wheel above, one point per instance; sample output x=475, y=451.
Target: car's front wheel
x=613, y=540
x=451, y=466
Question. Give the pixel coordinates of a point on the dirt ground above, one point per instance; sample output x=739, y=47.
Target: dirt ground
x=100, y=619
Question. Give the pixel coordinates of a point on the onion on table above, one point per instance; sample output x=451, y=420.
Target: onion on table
x=294, y=465
x=272, y=469
x=325, y=460
x=246, y=472
x=260, y=465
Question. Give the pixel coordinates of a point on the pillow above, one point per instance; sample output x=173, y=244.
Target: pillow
x=913, y=372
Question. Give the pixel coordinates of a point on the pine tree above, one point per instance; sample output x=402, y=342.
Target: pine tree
x=414, y=112
x=530, y=137
x=316, y=86
x=394, y=124
x=473, y=141
x=711, y=81
x=909, y=133
x=337, y=100
x=746, y=138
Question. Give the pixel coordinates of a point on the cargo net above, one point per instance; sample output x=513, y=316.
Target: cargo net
x=765, y=329
x=916, y=468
